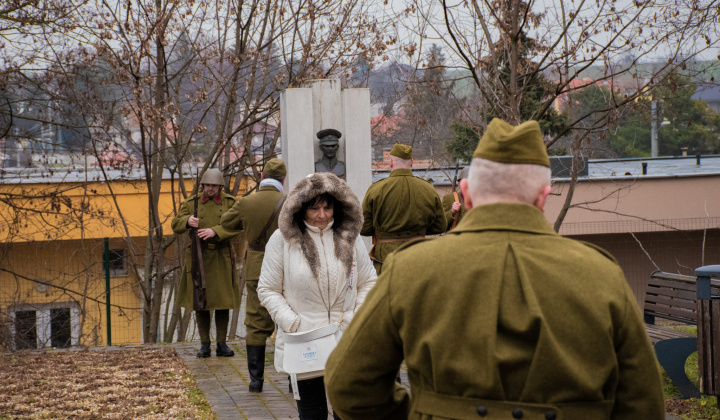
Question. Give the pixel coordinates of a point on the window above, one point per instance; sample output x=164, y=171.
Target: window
x=49, y=325
x=117, y=262
x=60, y=328
x=25, y=330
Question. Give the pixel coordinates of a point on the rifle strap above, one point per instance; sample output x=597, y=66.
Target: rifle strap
x=457, y=215
x=257, y=245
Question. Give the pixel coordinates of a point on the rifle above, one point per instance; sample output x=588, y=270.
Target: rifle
x=455, y=180
x=455, y=194
x=197, y=270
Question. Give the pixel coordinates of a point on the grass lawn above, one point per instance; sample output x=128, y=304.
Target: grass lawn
x=704, y=408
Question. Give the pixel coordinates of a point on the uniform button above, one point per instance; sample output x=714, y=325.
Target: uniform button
x=550, y=415
x=517, y=413
x=482, y=411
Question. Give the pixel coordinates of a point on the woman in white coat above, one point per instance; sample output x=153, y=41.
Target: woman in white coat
x=313, y=264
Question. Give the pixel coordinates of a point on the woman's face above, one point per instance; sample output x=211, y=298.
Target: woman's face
x=319, y=214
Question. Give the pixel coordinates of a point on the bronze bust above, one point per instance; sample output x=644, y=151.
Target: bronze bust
x=329, y=145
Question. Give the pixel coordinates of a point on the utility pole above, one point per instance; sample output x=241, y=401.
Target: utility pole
x=653, y=129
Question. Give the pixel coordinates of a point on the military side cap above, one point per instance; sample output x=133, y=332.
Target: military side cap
x=329, y=132
x=275, y=168
x=403, y=151
x=505, y=143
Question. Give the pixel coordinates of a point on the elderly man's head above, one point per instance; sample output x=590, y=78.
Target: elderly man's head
x=401, y=156
x=510, y=165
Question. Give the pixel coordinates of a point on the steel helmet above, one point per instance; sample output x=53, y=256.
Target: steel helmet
x=212, y=176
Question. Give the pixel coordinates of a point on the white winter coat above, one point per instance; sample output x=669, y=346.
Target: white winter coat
x=297, y=298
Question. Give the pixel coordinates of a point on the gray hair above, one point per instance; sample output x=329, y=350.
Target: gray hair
x=400, y=162
x=493, y=182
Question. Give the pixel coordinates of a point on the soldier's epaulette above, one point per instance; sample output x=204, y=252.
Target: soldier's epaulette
x=600, y=250
x=408, y=244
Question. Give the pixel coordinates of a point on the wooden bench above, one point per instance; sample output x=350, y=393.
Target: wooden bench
x=675, y=297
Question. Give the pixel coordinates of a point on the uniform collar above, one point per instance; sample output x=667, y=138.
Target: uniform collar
x=218, y=199
x=401, y=172
x=505, y=216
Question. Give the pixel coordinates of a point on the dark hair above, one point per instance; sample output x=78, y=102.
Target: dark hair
x=338, y=211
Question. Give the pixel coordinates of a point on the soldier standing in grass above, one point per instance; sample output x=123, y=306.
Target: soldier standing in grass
x=257, y=214
x=400, y=208
x=222, y=288
x=501, y=318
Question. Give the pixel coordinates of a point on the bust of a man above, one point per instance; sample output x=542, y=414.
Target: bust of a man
x=329, y=145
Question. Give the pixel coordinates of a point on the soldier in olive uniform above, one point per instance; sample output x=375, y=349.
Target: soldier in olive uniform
x=257, y=214
x=501, y=317
x=400, y=208
x=221, y=279
x=454, y=204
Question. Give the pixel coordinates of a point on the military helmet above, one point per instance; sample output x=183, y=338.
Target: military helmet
x=212, y=176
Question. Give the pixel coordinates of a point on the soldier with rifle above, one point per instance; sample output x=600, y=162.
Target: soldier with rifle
x=210, y=282
x=454, y=203
x=257, y=214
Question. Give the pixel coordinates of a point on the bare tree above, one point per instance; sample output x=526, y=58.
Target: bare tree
x=509, y=47
x=177, y=87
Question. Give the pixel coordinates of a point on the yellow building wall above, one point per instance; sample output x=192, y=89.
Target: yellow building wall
x=71, y=273
x=56, y=237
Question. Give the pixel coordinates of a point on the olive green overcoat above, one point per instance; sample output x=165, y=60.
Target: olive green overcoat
x=401, y=206
x=251, y=214
x=447, y=202
x=221, y=280
x=498, y=315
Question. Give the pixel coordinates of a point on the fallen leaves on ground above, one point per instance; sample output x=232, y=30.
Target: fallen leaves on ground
x=142, y=383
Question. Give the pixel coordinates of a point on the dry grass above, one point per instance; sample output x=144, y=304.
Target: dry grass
x=142, y=383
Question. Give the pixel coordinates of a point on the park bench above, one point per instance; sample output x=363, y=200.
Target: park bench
x=692, y=301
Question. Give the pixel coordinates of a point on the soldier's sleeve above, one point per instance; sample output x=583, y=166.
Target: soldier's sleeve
x=447, y=202
x=367, y=207
x=232, y=220
x=438, y=224
x=639, y=391
x=222, y=232
x=179, y=223
x=360, y=374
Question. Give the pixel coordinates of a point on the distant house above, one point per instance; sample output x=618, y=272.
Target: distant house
x=710, y=93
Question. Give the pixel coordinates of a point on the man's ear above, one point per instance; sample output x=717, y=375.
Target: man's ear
x=541, y=197
x=466, y=193
x=262, y=176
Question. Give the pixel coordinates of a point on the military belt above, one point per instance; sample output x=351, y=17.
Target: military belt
x=214, y=245
x=412, y=238
x=256, y=247
x=463, y=408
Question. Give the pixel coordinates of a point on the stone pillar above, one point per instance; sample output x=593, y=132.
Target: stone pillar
x=322, y=104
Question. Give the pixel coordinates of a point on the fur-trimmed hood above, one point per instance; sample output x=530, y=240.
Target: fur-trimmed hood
x=344, y=236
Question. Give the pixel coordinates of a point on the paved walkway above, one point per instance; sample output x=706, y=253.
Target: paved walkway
x=224, y=380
